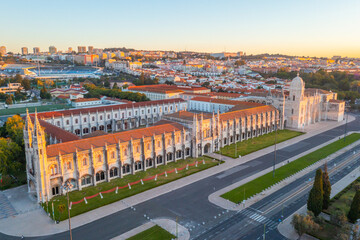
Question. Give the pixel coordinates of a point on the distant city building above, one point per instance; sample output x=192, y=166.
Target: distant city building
x=81, y=49
x=24, y=51
x=36, y=50
x=90, y=49
x=87, y=59
x=83, y=102
x=70, y=50
x=10, y=88
x=224, y=55
x=52, y=50
x=3, y=50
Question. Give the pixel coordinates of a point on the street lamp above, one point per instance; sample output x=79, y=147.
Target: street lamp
x=67, y=187
x=346, y=121
x=275, y=146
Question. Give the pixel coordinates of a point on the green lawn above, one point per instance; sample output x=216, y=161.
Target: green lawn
x=342, y=201
x=255, y=144
x=261, y=183
x=153, y=233
x=44, y=108
x=126, y=192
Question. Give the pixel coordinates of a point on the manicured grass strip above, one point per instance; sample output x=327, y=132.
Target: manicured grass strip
x=261, y=183
x=153, y=233
x=111, y=197
x=12, y=111
x=254, y=144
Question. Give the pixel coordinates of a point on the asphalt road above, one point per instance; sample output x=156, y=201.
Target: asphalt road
x=264, y=216
x=190, y=203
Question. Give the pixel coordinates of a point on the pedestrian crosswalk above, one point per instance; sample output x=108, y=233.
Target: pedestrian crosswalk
x=6, y=209
x=257, y=217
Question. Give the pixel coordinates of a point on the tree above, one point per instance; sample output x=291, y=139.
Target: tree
x=326, y=188
x=115, y=86
x=304, y=224
x=18, y=78
x=14, y=128
x=315, y=200
x=9, y=99
x=354, y=213
x=9, y=152
x=44, y=94
x=107, y=83
x=240, y=62
x=337, y=217
x=205, y=84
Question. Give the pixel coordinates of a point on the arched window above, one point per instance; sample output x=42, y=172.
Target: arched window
x=113, y=154
x=86, y=180
x=53, y=169
x=137, y=149
x=169, y=142
x=126, y=168
x=148, y=146
x=100, y=176
x=113, y=172
x=125, y=152
x=99, y=158
x=84, y=162
x=159, y=143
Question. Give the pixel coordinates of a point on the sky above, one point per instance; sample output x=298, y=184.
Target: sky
x=321, y=28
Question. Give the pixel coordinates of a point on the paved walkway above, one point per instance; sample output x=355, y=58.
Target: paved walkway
x=24, y=224
x=287, y=230
x=6, y=209
x=167, y=224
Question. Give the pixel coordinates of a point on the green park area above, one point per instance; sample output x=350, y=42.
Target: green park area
x=265, y=181
x=337, y=226
x=342, y=200
x=43, y=108
x=60, y=204
x=254, y=144
x=153, y=233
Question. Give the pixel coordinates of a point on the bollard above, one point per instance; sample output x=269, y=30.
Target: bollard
x=116, y=191
x=85, y=200
x=129, y=185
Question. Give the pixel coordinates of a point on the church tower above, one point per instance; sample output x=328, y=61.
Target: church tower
x=294, y=103
x=35, y=153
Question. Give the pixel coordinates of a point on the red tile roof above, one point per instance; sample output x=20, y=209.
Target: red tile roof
x=45, y=115
x=110, y=139
x=55, y=132
x=85, y=99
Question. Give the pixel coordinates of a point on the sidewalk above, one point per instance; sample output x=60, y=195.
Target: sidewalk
x=287, y=230
x=216, y=198
x=167, y=224
x=24, y=224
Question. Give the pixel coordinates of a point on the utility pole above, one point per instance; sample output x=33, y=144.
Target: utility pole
x=264, y=230
x=235, y=149
x=346, y=121
x=67, y=186
x=275, y=146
